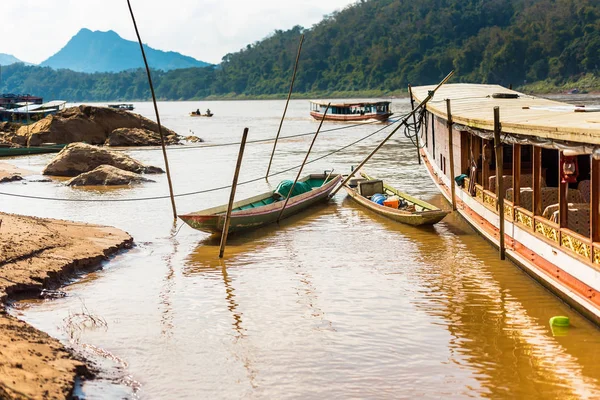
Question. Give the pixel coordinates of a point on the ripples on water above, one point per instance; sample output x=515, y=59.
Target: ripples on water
x=337, y=302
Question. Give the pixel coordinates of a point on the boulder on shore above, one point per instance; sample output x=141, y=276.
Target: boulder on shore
x=107, y=175
x=11, y=178
x=77, y=158
x=84, y=123
x=138, y=137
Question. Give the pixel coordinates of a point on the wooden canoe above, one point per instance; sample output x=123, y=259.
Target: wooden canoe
x=262, y=209
x=423, y=213
x=8, y=151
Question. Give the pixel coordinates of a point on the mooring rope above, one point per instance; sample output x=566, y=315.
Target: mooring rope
x=199, y=191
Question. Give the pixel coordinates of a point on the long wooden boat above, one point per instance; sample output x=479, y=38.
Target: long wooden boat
x=351, y=111
x=194, y=114
x=415, y=212
x=262, y=209
x=550, y=164
x=122, y=106
x=10, y=151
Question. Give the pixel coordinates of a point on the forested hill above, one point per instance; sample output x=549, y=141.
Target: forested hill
x=379, y=45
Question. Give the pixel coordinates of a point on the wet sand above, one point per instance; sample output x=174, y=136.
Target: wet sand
x=8, y=170
x=38, y=254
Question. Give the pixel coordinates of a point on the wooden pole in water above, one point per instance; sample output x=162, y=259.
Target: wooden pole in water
x=286, y=105
x=412, y=104
x=402, y=123
x=232, y=195
x=162, y=138
x=499, y=182
x=302, y=166
x=451, y=146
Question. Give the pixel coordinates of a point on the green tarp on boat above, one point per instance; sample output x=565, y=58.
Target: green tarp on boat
x=284, y=188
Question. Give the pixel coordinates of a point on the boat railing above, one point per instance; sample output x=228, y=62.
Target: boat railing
x=564, y=239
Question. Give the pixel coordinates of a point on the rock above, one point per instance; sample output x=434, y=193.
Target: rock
x=193, y=139
x=84, y=123
x=107, y=175
x=137, y=137
x=77, y=158
x=11, y=178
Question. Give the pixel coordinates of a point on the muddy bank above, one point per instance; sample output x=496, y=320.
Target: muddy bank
x=38, y=254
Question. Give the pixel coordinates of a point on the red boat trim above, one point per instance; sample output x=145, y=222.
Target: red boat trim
x=576, y=293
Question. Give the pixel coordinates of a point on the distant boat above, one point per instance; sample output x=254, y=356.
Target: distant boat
x=199, y=114
x=351, y=111
x=7, y=150
x=25, y=112
x=394, y=204
x=264, y=208
x=121, y=106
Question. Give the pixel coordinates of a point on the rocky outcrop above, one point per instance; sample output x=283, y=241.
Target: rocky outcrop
x=7, y=127
x=78, y=158
x=193, y=139
x=84, y=123
x=105, y=175
x=11, y=178
x=138, y=137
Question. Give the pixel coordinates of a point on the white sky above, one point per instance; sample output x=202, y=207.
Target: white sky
x=33, y=30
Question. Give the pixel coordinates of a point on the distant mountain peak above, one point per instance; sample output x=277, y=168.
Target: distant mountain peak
x=106, y=51
x=7, y=59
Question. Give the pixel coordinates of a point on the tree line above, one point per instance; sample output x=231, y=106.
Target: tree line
x=371, y=45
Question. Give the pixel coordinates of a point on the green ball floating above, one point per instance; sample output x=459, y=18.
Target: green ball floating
x=559, y=321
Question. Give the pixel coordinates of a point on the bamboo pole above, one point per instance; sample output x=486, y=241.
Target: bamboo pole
x=499, y=182
x=162, y=139
x=402, y=123
x=286, y=105
x=451, y=145
x=232, y=195
x=302, y=166
x=412, y=105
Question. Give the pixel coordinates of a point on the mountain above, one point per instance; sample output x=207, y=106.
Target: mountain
x=376, y=47
x=98, y=51
x=7, y=59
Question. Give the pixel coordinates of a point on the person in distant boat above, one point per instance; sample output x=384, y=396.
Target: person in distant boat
x=197, y=111
x=208, y=111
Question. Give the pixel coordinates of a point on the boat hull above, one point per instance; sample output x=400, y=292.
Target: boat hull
x=351, y=117
x=213, y=220
x=22, y=151
x=418, y=218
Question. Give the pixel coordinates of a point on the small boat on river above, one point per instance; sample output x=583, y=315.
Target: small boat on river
x=351, y=111
x=7, y=150
x=197, y=113
x=265, y=208
x=383, y=199
x=122, y=106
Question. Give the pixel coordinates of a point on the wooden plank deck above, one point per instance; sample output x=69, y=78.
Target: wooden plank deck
x=473, y=105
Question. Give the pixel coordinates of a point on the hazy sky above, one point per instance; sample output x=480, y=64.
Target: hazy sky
x=33, y=30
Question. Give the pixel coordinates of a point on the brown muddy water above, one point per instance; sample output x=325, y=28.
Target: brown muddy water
x=336, y=302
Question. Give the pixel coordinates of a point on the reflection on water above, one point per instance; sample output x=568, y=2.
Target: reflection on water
x=335, y=302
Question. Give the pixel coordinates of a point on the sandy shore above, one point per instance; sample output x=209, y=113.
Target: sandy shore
x=8, y=170
x=38, y=254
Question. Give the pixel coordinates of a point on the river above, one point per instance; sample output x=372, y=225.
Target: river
x=336, y=302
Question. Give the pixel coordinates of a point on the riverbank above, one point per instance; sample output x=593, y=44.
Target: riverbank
x=38, y=254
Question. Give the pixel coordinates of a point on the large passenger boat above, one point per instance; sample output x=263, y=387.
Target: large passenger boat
x=549, y=172
x=351, y=111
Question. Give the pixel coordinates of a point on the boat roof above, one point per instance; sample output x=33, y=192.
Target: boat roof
x=473, y=105
x=37, y=108
x=348, y=103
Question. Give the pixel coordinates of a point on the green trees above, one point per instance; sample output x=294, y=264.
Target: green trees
x=372, y=45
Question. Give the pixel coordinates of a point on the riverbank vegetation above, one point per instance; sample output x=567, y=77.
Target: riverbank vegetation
x=373, y=48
